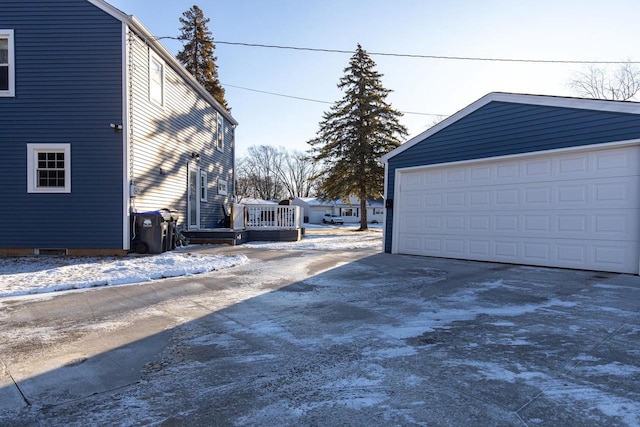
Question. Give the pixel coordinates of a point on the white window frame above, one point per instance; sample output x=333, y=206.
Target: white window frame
x=155, y=58
x=203, y=186
x=378, y=211
x=220, y=133
x=222, y=187
x=11, y=91
x=32, y=167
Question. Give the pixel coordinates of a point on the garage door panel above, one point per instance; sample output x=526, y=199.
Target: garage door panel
x=610, y=225
x=593, y=255
x=578, y=210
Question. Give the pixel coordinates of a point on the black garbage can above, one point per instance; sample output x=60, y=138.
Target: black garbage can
x=151, y=231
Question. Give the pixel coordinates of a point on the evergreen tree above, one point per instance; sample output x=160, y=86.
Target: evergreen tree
x=355, y=133
x=197, y=54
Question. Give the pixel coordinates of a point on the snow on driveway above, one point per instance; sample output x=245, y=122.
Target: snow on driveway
x=35, y=275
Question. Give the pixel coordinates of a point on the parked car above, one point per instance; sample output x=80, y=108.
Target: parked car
x=332, y=219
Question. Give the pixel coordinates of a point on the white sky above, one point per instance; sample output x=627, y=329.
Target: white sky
x=526, y=29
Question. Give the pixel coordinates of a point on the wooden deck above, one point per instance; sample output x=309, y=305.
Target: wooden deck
x=215, y=236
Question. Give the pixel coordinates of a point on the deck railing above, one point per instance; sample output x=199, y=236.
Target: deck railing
x=277, y=217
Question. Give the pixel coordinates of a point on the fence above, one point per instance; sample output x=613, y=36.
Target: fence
x=253, y=217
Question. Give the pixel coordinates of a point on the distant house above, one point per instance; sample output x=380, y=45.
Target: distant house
x=315, y=208
x=254, y=201
x=100, y=121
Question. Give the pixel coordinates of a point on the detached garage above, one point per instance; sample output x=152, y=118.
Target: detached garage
x=521, y=179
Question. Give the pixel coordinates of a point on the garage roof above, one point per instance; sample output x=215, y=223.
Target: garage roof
x=541, y=100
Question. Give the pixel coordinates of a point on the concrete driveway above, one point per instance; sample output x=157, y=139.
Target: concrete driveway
x=330, y=338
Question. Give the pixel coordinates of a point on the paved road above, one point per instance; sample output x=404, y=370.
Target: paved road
x=352, y=338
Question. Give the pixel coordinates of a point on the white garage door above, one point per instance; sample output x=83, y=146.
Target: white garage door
x=576, y=209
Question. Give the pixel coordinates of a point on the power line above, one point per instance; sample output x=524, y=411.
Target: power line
x=316, y=100
x=411, y=55
x=418, y=56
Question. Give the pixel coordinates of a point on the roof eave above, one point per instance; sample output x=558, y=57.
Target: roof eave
x=139, y=28
x=517, y=98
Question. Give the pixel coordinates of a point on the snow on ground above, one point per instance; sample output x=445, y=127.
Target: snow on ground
x=342, y=238
x=35, y=275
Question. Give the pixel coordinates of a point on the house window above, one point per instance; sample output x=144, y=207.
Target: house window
x=222, y=187
x=48, y=168
x=156, y=79
x=203, y=186
x=220, y=133
x=378, y=211
x=7, y=66
x=348, y=212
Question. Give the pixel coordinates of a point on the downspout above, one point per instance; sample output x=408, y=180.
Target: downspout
x=129, y=181
x=126, y=140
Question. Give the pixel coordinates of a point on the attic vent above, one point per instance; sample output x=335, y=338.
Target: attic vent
x=50, y=252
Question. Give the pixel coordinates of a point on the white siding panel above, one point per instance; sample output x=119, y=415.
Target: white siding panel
x=575, y=209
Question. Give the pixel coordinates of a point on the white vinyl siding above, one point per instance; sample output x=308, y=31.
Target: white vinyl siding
x=575, y=209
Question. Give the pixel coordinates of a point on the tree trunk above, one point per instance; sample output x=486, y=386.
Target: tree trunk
x=363, y=213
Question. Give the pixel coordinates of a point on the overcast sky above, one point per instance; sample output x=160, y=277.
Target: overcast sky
x=587, y=30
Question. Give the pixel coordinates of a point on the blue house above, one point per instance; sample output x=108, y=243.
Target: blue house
x=523, y=179
x=99, y=121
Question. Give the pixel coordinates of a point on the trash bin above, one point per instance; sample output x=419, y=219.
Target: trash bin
x=172, y=231
x=151, y=231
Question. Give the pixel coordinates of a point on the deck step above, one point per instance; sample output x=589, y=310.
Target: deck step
x=230, y=237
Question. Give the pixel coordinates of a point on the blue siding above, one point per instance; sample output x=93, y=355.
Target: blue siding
x=503, y=128
x=68, y=57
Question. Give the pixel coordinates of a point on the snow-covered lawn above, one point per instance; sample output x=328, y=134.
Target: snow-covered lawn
x=34, y=275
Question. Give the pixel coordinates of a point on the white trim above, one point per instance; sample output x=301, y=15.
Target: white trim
x=203, y=186
x=126, y=149
x=153, y=57
x=193, y=205
x=11, y=91
x=219, y=132
x=222, y=183
x=32, y=167
x=550, y=101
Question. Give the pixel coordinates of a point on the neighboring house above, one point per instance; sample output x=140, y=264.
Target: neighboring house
x=522, y=179
x=315, y=209
x=98, y=121
x=254, y=201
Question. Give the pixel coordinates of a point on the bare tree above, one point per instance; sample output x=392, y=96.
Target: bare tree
x=259, y=170
x=272, y=173
x=622, y=84
x=297, y=175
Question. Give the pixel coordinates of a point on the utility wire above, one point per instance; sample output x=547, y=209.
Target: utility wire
x=410, y=55
x=316, y=100
x=419, y=56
